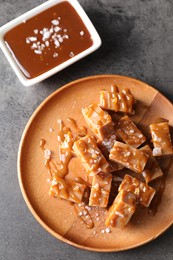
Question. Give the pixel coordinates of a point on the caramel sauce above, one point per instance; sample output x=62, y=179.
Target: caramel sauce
x=60, y=168
x=48, y=39
x=42, y=144
x=80, y=131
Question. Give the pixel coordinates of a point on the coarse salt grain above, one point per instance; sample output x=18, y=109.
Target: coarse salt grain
x=38, y=51
x=65, y=36
x=71, y=54
x=119, y=214
x=47, y=154
x=54, y=182
x=107, y=230
x=34, y=46
x=61, y=40
x=81, y=33
x=36, y=31
x=32, y=39
x=57, y=29
x=47, y=43
x=157, y=151
x=55, y=22
x=55, y=54
x=144, y=174
x=46, y=35
x=56, y=42
x=27, y=41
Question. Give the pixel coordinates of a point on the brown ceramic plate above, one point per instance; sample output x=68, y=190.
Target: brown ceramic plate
x=58, y=216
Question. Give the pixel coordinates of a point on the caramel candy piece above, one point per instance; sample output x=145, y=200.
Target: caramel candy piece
x=117, y=101
x=67, y=190
x=129, y=133
x=92, y=158
x=128, y=156
x=144, y=193
x=100, y=189
x=161, y=139
x=121, y=210
x=152, y=169
x=105, y=148
x=99, y=121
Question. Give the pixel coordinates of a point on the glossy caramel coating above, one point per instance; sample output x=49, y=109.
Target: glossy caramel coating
x=161, y=139
x=100, y=190
x=129, y=133
x=117, y=101
x=144, y=193
x=128, y=156
x=121, y=210
x=67, y=190
x=92, y=158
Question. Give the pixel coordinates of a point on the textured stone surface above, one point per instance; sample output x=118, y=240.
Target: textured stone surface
x=137, y=40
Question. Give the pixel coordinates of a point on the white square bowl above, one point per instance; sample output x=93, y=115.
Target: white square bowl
x=5, y=28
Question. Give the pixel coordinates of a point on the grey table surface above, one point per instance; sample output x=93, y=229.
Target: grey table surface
x=137, y=40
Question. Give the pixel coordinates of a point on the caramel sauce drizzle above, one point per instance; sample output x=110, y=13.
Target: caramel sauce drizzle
x=66, y=140
x=80, y=131
x=59, y=169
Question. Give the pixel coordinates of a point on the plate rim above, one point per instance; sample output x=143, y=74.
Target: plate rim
x=19, y=172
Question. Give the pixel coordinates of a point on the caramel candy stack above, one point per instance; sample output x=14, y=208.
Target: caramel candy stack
x=99, y=121
x=122, y=209
x=101, y=124
x=131, y=192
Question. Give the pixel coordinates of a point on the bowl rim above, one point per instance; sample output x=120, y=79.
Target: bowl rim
x=38, y=9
